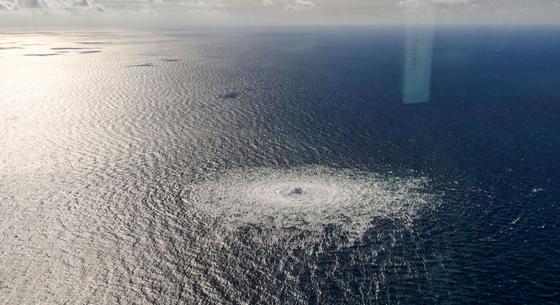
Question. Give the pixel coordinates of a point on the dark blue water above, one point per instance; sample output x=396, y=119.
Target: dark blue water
x=103, y=171
x=493, y=123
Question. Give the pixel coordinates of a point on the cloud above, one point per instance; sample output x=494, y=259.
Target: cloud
x=49, y=5
x=414, y=4
x=55, y=6
x=287, y=11
x=8, y=5
x=299, y=4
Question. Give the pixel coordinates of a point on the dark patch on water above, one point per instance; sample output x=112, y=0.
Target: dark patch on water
x=148, y=64
x=90, y=52
x=93, y=42
x=169, y=60
x=296, y=191
x=69, y=48
x=42, y=54
x=230, y=95
x=11, y=48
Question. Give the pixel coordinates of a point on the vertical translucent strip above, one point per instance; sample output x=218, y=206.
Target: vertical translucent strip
x=418, y=55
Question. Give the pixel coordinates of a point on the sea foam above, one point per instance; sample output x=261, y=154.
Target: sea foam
x=309, y=198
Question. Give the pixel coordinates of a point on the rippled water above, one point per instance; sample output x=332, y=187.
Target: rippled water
x=277, y=167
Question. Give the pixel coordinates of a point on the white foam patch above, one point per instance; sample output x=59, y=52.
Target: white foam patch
x=309, y=198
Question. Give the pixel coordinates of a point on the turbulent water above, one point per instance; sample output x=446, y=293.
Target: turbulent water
x=309, y=198
x=278, y=167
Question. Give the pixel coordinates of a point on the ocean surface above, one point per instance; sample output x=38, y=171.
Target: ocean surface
x=278, y=166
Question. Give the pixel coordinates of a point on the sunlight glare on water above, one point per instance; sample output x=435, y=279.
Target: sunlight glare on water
x=277, y=167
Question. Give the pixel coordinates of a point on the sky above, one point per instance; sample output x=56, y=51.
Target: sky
x=174, y=13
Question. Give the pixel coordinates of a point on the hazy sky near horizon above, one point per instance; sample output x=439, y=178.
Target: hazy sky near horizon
x=170, y=13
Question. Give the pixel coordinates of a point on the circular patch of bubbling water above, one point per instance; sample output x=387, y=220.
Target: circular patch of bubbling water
x=309, y=198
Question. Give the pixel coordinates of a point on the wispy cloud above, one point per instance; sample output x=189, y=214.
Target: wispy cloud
x=49, y=5
x=413, y=4
x=262, y=9
x=300, y=4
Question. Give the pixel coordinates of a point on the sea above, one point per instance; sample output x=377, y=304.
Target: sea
x=279, y=166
